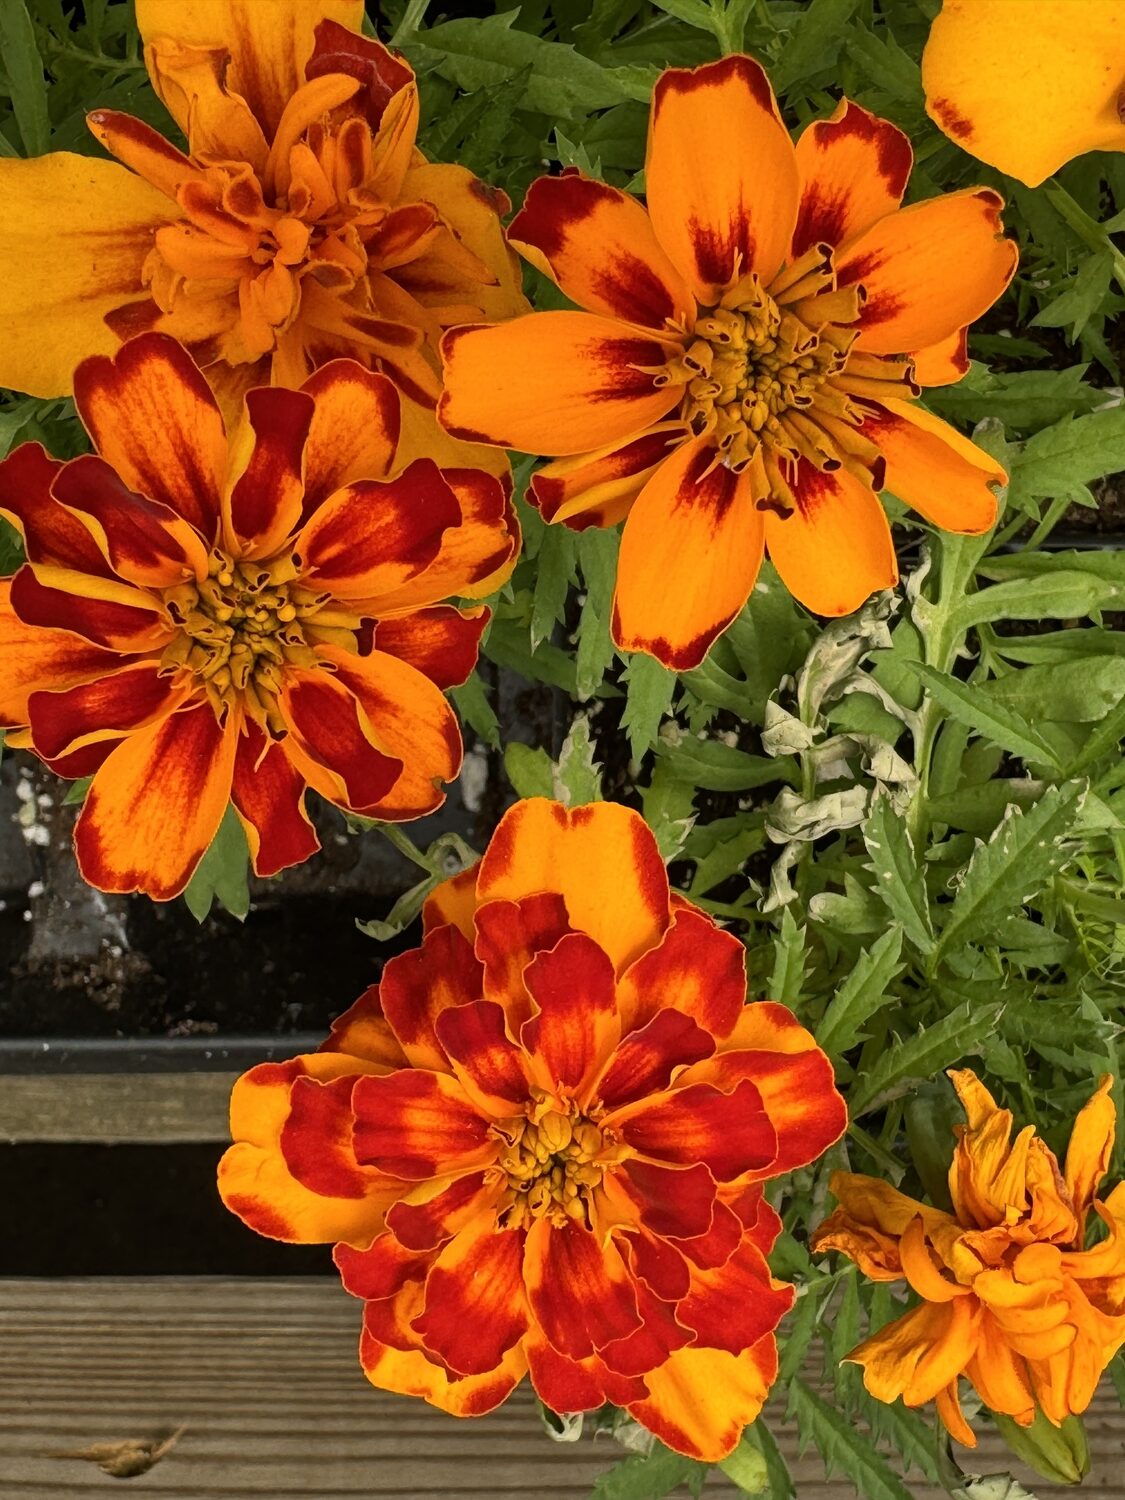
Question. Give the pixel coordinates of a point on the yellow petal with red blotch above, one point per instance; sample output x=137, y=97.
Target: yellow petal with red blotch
x=410, y=1373
x=928, y=270
x=145, y=543
x=728, y=1131
x=153, y=419
x=36, y=658
x=649, y=1056
x=433, y=1212
x=553, y=383
x=268, y=46
x=51, y=533
x=454, y=900
x=721, y=174
x=933, y=468
x=442, y=643
x=156, y=803
x=597, y=244
x=569, y=1385
x=473, y=209
x=698, y=969
x=601, y=858
x=474, y=558
x=475, y=1307
x=354, y=429
x=257, y=1182
x=690, y=553
x=417, y=1125
x=1091, y=1146
x=1027, y=87
x=418, y=985
x=371, y=538
x=508, y=935
x=138, y=146
x=943, y=363
x=598, y=489
x=421, y=436
x=493, y=1070
x=363, y=1031
x=576, y=1026
x=139, y=693
x=62, y=272
x=835, y=549
x=332, y=742
x=264, y=492
x=854, y=169
x=268, y=794
x=104, y=610
x=734, y=1305
x=411, y=721
x=700, y=1400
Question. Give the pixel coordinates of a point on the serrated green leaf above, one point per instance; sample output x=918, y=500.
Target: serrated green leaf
x=843, y=1447
x=554, y=573
x=649, y=688
x=790, y=958
x=222, y=874
x=471, y=701
x=961, y=1033
x=27, y=85
x=898, y=877
x=819, y=30
x=1080, y=691
x=999, y=724
x=715, y=767
x=1024, y=400
x=1070, y=453
x=577, y=779
x=530, y=769
x=1012, y=867
x=864, y=991
x=1059, y=595
x=649, y=1476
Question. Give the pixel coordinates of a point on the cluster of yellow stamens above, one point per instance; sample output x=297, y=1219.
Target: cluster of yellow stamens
x=770, y=373
x=552, y=1161
x=239, y=626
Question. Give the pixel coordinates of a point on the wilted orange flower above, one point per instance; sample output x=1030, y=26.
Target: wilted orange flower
x=302, y=225
x=1011, y=1296
x=744, y=374
x=197, y=623
x=1026, y=84
x=541, y=1141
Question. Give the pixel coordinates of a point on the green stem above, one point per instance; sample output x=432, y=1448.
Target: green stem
x=94, y=59
x=1086, y=228
x=411, y=19
x=394, y=835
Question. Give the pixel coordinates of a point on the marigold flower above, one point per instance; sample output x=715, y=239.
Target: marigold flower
x=1026, y=84
x=197, y=623
x=302, y=225
x=1011, y=1297
x=541, y=1141
x=743, y=375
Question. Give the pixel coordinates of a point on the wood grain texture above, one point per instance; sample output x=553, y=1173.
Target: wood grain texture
x=264, y=1375
x=112, y=1108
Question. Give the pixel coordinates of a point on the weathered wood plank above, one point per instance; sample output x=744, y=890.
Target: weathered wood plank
x=264, y=1375
x=113, y=1108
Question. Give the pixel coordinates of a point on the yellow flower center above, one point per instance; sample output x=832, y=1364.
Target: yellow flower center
x=772, y=375
x=552, y=1162
x=239, y=626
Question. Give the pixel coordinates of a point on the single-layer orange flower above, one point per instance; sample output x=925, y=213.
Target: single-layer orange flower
x=744, y=373
x=541, y=1141
x=200, y=622
x=1027, y=84
x=1012, y=1297
x=302, y=225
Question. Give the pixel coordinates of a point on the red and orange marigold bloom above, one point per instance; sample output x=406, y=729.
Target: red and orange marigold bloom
x=200, y=622
x=541, y=1141
x=1027, y=84
x=1012, y=1297
x=743, y=374
x=302, y=224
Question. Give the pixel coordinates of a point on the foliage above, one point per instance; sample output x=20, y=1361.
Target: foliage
x=916, y=816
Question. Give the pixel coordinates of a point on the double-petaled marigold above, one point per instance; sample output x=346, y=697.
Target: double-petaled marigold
x=744, y=372
x=1011, y=1295
x=198, y=623
x=1026, y=84
x=302, y=225
x=541, y=1141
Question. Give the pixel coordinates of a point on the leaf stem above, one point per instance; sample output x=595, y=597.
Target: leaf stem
x=412, y=16
x=1087, y=229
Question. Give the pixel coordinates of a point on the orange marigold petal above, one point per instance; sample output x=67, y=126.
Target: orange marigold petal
x=508, y=935
x=354, y=429
x=417, y=1125
x=135, y=695
x=475, y=1307
x=576, y=1026
x=268, y=793
x=697, y=968
x=721, y=174
x=417, y=986
x=835, y=549
x=700, y=1400
x=598, y=489
x=37, y=659
x=854, y=168
x=411, y=1373
x=265, y=483
x=690, y=554
x=943, y=363
x=51, y=533
x=731, y=1133
x=332, y=741
x=580, y=1290
x=442, y=643
x=933, y=468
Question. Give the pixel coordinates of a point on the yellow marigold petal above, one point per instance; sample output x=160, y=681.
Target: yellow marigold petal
x=268, y=45
x=1027, y=84
x=1091, y=1145
x=472, y=210
x=721, y=174
x=602, y=859
x=701, y=1399
x=75, y=233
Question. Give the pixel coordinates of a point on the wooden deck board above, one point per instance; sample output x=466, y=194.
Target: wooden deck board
x=264, y=1374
